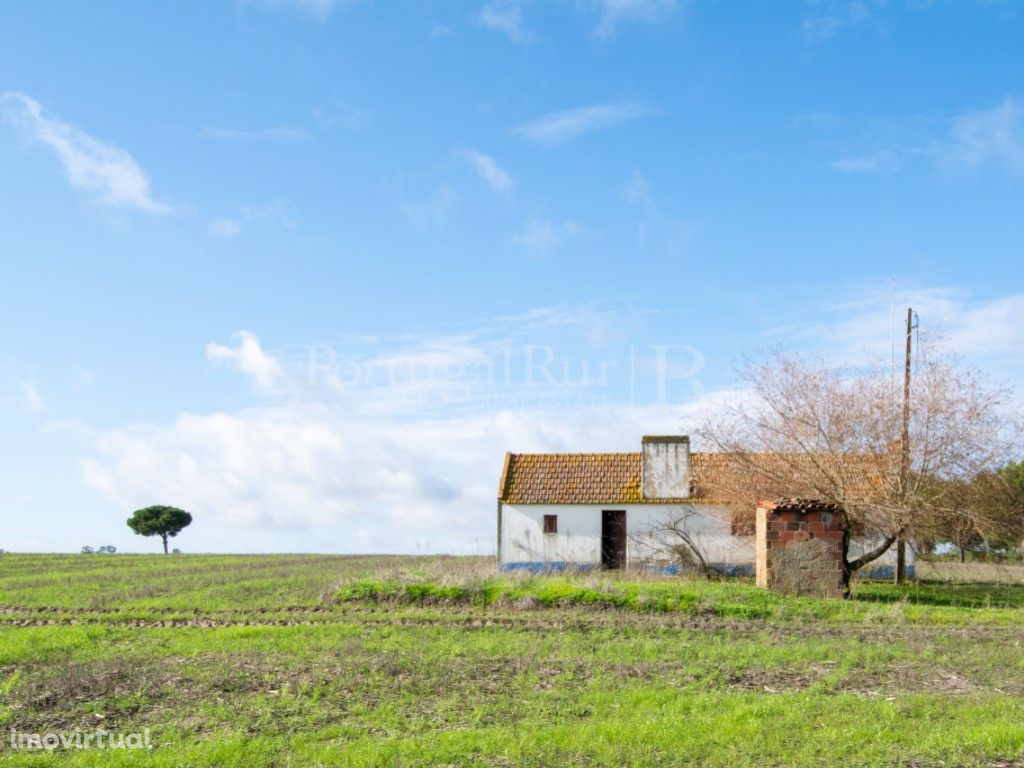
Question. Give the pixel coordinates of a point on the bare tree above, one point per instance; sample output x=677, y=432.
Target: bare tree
x=674, y=538
x=804, y=428
x=692, y=537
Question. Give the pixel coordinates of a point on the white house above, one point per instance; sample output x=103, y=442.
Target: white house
x=609, y=510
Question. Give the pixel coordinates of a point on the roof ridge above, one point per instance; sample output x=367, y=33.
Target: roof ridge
x=581, y=453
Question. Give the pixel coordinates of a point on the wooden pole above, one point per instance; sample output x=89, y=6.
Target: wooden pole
x=901, y=545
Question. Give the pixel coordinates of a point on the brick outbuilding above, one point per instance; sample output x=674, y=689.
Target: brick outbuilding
x=799, y=547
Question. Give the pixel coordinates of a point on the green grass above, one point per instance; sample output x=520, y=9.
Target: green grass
x=874, y=602
x=284, y=660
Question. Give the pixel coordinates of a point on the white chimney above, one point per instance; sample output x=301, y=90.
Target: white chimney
x=666, y=467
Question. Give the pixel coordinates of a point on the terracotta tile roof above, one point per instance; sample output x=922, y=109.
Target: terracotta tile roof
x=571, y=478
x=802, y=506
x=577, y=478
x=758, y=476
x=614, y=478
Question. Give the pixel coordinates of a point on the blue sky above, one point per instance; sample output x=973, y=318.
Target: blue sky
x=308, y=268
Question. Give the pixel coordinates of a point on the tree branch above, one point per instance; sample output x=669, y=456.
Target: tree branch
x=874, y=554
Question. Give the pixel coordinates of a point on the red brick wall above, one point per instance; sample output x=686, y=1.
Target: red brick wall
x=800, y=548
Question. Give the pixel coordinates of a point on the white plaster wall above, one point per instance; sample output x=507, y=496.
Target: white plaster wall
x=578, y=539
x=666, y=469
x=579, y=533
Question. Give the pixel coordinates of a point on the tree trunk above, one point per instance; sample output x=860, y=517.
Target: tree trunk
x=900, y=575
x=164, y=537
x=850, y=567
x=963, y=555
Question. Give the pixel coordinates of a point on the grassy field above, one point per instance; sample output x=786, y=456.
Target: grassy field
x=362, y=661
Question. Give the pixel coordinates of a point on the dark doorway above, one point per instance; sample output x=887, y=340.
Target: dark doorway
x=613, y=538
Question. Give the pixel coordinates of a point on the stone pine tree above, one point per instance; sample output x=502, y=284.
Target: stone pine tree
x=159, y=521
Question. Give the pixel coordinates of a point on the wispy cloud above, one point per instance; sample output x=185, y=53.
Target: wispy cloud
x=249, y=357
x=831, y=17
x=992, y=135
x=276, y=213
x=488, y=170
x=560, y=127
x=283, y=134
x=100, y=168
x=860, y=325
x=614, y=13
x=223, y=228
x=882, y=161
x=31, y=397
x=541, y=236
x=320, y=10
x=506, y=18
x=637, y=190
x=972, y=141
x=436, y=210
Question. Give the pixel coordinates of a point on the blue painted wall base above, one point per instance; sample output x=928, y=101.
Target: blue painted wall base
x=879, y=573
x=722, y=569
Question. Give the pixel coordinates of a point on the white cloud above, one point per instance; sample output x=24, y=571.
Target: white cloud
x=364, y=472
x=102, y=169
x=541, y=236
x=505, y=18
x=249, y=358
x=861, y=327
x=613, y=13
x=357, y=485
x=560, y=127
x=378, y=456
x=488, y=170
x=282, y=134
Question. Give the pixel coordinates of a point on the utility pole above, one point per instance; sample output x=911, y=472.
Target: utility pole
x=901, y=545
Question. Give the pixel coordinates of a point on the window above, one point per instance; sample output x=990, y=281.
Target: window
x=550, y=523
